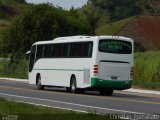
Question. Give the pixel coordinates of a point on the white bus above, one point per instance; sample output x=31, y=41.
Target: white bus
x=103, y=63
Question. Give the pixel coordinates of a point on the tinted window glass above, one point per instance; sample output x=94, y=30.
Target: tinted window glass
x=48, y=51
x=62, y=50
x=32, y=58
x=77, y=50
x=39, y=51
x=87, y=49
x=66, y=50
x=115, y=46
x=58, y=52
x=82, y=49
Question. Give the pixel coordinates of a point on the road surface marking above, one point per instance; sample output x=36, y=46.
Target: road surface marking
x=73, y=104
x=81, y=111
x=32, y=103
x=69, y=94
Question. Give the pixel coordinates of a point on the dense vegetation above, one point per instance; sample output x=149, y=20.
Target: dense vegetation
x=119, y=9
x=9, y=9
x=18, y=69
x=111, y=17
x=45, y=22
x=39, y=23
x=147, y=70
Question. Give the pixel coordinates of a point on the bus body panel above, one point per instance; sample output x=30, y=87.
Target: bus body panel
x=113, y=69
x=59, y=73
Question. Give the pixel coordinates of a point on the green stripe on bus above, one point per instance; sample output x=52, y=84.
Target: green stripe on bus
x=60, y=69
x=95, y=82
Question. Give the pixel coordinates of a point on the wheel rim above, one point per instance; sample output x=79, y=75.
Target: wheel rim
x=39, y=82
x=73, y=85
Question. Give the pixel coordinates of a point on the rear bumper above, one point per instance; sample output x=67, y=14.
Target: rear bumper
x=116, y=85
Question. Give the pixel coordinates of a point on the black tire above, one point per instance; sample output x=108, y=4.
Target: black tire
x=107, y=92
x=39, y=86
x=73, y=85
x=68, y=89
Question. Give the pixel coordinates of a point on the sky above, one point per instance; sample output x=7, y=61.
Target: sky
x=66, y=4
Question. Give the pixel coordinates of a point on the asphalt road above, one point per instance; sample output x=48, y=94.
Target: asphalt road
x=121, y=102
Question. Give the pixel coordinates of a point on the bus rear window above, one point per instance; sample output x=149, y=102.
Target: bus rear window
x=115, y=46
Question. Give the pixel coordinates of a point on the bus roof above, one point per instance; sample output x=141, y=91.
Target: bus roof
x=82, y=38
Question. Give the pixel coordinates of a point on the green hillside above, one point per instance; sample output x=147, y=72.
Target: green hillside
x=119, y=17
x=95, y=14
x=112, y=28
x=105, y=17
x=9, y=10
x=104, y=14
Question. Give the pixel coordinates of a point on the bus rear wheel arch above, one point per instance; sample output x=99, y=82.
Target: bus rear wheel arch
x=73, y=86
x=38, y=82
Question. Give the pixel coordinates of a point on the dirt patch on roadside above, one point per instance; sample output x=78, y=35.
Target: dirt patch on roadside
x=150, y=25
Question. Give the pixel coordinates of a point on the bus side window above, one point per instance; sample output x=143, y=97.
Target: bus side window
x=66, y=50
x=87, y=49
x=82, y=50
x=58, y=51
x=90, y=48
x=47, y=52
x=77, y=50
x=32, y=58
x=39, y=52
x=69, y=50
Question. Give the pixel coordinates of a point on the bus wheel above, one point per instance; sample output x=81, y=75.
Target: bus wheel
x=68, y=89
x=39, y=86
x=107, y=92
x=73, y=85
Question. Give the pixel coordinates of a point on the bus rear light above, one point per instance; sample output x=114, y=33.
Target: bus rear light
x=132, y=73
x=95, y=70
x=96, y=66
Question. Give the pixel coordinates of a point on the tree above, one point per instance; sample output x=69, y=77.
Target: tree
x=39, y=23
x=119, y=9
x=20, y=1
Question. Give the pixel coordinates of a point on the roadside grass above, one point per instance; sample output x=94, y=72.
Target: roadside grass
x=14, y=70
x=112, y=28
x=147, y=70
x=31, y=112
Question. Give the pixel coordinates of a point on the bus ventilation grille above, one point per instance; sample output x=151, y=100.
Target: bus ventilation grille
x=86, y=76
